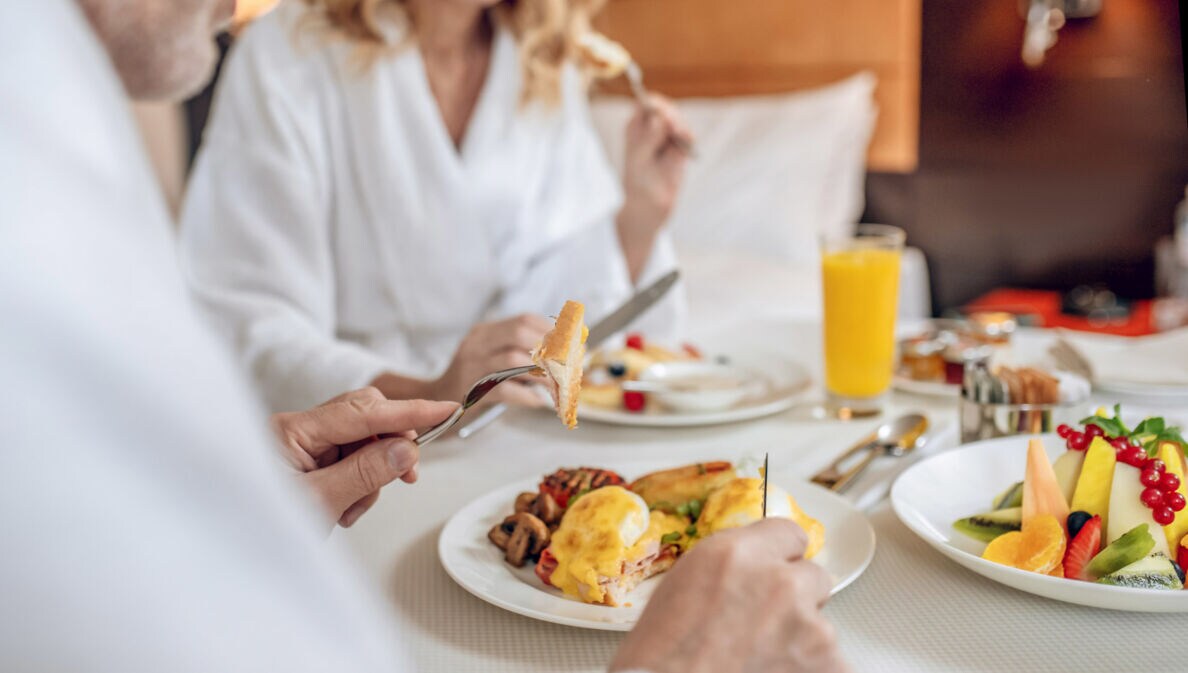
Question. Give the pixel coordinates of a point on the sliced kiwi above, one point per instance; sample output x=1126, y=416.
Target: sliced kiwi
x=1012, y=497
x=1152, y=572
x=989, y=525
x=1131, y=547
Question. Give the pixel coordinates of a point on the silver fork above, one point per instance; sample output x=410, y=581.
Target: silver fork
x=635, y=79
x=477, y=392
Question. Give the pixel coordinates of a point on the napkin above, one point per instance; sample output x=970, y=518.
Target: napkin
x=1160, y=359
x=873, y=485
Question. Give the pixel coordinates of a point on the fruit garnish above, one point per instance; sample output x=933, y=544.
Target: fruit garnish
x=1004, y=549
x=990, y=525
x=1042, y=544
x=1128, y=510
x=1134, y=545
x=1092, y=493
x=1147, y=435
x=617, y=369
x=1182, y=552
x=1082, y=548
x=1075, y=521
x=1041, y=492
x=635, y=340
x=633, y=400
x=1012, y=497
x=1171, y=456
x=1153, y=572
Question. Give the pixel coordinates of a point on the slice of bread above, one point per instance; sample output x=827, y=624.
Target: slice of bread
x=560, y=356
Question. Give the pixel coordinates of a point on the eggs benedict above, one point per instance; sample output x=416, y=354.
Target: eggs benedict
x=740, y=502
x=608, y=542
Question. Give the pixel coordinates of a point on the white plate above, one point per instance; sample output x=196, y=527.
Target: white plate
x=478, y=566
x=934, y=493
x=778, y=387
x=929, y=388
x=1149, y=390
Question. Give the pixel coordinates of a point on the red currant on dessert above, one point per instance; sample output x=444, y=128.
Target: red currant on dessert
x=1163, y=515
x=635, y=340
x=1094, y=430
x=1175, y=501
x=1120, y=443
x=1149, y=477
x=1133, y=456
x=1169, y=482
x=1151, y=497
x=633, y=400
x=1064, y=430
x=1157, y=465
x=1078, y=441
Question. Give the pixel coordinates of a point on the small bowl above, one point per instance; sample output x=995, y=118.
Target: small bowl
x=695, y=385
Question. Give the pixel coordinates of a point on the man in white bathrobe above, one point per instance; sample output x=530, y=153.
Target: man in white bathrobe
x=147, y=522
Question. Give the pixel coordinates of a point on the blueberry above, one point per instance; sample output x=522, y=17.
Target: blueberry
x=1179, y=571
x=1075, y=521
x=617, y=369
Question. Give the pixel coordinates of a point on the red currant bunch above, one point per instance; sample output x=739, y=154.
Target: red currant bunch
x=1160, y=494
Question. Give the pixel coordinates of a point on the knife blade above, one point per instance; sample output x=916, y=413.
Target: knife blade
x=617, y=320
x=765, y=457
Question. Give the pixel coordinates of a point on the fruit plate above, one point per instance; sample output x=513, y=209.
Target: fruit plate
x=929, y=496
x=478, y=566
x=776, y=388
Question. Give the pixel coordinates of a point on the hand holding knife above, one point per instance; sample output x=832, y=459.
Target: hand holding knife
x=619, y=319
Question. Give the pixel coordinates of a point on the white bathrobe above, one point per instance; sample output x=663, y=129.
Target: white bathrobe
x=335, y=232
x=148, y=523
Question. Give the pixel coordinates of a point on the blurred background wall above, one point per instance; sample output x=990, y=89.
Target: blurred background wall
x=1045, y=178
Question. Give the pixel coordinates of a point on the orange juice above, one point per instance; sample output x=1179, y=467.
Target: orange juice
x=861, y=295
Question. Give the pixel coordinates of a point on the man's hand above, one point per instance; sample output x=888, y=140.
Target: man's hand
x=351, y=446
x=742, y=600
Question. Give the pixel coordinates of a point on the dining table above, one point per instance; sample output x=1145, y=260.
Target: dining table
x=912, y=610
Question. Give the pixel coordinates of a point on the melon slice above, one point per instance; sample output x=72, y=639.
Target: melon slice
x=1170, y=454
x=1068, y=469
x=1127, y=511
x=1041, y=491
x=1092, y=493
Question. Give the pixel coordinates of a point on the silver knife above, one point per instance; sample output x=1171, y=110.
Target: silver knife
x=765, y=457
x=603, y=330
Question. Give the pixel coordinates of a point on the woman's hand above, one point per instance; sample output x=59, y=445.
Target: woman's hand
x=652, y=173
x=742, y=600
x=351, y=446
x=490, y=347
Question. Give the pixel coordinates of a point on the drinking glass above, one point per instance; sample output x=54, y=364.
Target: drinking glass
x=860, y=276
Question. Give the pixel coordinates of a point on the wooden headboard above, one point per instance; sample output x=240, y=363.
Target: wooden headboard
x=713, y=48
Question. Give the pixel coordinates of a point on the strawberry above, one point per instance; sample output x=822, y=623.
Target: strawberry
x=633, y=400
x=1082, y=549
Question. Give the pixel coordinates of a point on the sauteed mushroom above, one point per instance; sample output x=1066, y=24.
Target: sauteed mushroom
x=529, y=537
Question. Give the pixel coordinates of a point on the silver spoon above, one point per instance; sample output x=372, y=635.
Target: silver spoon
x=895, y=438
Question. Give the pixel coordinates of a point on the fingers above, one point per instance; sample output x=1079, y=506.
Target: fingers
x=653, y=127
x=521, y=333
x=361, y=474
x=358, y=509
x=354, y=418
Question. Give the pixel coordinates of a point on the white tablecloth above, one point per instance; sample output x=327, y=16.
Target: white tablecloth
x=912, y=610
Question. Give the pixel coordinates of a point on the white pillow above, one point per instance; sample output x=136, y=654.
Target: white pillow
x=771, y=173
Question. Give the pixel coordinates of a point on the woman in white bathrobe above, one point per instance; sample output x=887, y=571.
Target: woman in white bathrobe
x=395, y=193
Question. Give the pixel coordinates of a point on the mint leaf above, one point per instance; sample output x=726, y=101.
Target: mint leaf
x=1112, y=426
x=1150, y=426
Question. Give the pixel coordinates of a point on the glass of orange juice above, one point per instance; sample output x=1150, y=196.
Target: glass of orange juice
x=860, y=276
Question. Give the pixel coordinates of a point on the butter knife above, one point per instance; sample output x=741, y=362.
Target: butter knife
x=765, y=457
x=600, y=332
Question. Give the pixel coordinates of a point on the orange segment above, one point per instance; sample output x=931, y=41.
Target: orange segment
x=1004, y=549
x=1059, y=571
x=1041, y=547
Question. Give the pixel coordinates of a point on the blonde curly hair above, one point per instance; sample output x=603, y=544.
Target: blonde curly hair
x=547, y=32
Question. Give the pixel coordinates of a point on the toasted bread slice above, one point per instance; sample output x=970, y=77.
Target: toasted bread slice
x=560, y=356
